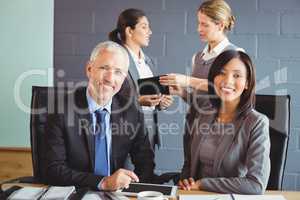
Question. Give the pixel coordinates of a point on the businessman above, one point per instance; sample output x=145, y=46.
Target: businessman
x=88, y=143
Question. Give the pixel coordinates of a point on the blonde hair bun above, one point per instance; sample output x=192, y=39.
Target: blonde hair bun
x=231, y=23
x=218, y=11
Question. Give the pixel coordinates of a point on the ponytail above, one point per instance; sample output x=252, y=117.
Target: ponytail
x=128, y=18
x=114, y=36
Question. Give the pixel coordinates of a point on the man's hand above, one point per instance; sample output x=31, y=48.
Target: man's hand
x=120, y=179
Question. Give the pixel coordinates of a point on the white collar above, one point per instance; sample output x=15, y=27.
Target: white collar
x=93, y=105
x=136, y=57
x=217, y=49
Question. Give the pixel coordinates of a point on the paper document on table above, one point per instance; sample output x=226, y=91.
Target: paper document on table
x=205, y=197
x=27, y=193
x=92, y=196
x=260, y=197
x=103, y=196
x=58, y=193
x=231, y=197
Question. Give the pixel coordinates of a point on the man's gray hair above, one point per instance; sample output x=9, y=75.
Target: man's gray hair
x=109, y=46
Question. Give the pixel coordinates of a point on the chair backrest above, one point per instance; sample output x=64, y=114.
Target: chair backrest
x=41, y=102
x=277, y=109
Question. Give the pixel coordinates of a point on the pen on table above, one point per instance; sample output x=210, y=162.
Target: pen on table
x=232, y=197
x=106, y=194
x=44, y=192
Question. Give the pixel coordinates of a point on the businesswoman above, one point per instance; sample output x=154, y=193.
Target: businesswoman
x=215, y=19
x=227, y=144
x=133, y=32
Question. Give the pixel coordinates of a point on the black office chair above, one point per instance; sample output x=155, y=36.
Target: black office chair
x=277, y=109
x=42, y=102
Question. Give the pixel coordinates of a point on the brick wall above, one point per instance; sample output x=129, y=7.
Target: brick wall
x=267, y=29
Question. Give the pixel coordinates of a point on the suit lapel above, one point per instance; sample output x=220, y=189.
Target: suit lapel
x=85, y=117
x=224, y=148
x=115, y=119
x=150, y=63
x=133, y=73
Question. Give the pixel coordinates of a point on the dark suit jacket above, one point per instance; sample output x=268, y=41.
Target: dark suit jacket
x=130, y=89
x=70, y=141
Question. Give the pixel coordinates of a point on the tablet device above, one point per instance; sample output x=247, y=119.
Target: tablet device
x=134, y=188
x=149, y=86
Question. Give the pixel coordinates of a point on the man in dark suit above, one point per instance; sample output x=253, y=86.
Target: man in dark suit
x=94, y=129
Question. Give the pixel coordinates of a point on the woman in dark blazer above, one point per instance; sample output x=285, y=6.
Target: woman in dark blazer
x=133, y=32
x=227, y=144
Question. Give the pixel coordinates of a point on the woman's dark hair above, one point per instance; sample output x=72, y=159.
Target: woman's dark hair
x=128, y=17
x=247, y=100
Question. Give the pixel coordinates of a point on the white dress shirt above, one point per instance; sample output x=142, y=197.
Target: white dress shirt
x=142, y=68
x=217, y=50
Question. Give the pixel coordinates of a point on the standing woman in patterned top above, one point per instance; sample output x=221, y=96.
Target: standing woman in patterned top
x=215, y=19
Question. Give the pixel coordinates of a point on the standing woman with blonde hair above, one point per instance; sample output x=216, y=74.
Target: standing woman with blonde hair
x=215, y=19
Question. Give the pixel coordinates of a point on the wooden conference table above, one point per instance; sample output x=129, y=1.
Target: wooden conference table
x=289, y=195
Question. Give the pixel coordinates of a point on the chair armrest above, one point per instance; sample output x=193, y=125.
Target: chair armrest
x=23, y=179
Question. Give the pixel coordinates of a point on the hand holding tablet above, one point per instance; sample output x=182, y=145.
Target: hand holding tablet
x=151, y=86
x=120, y=179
